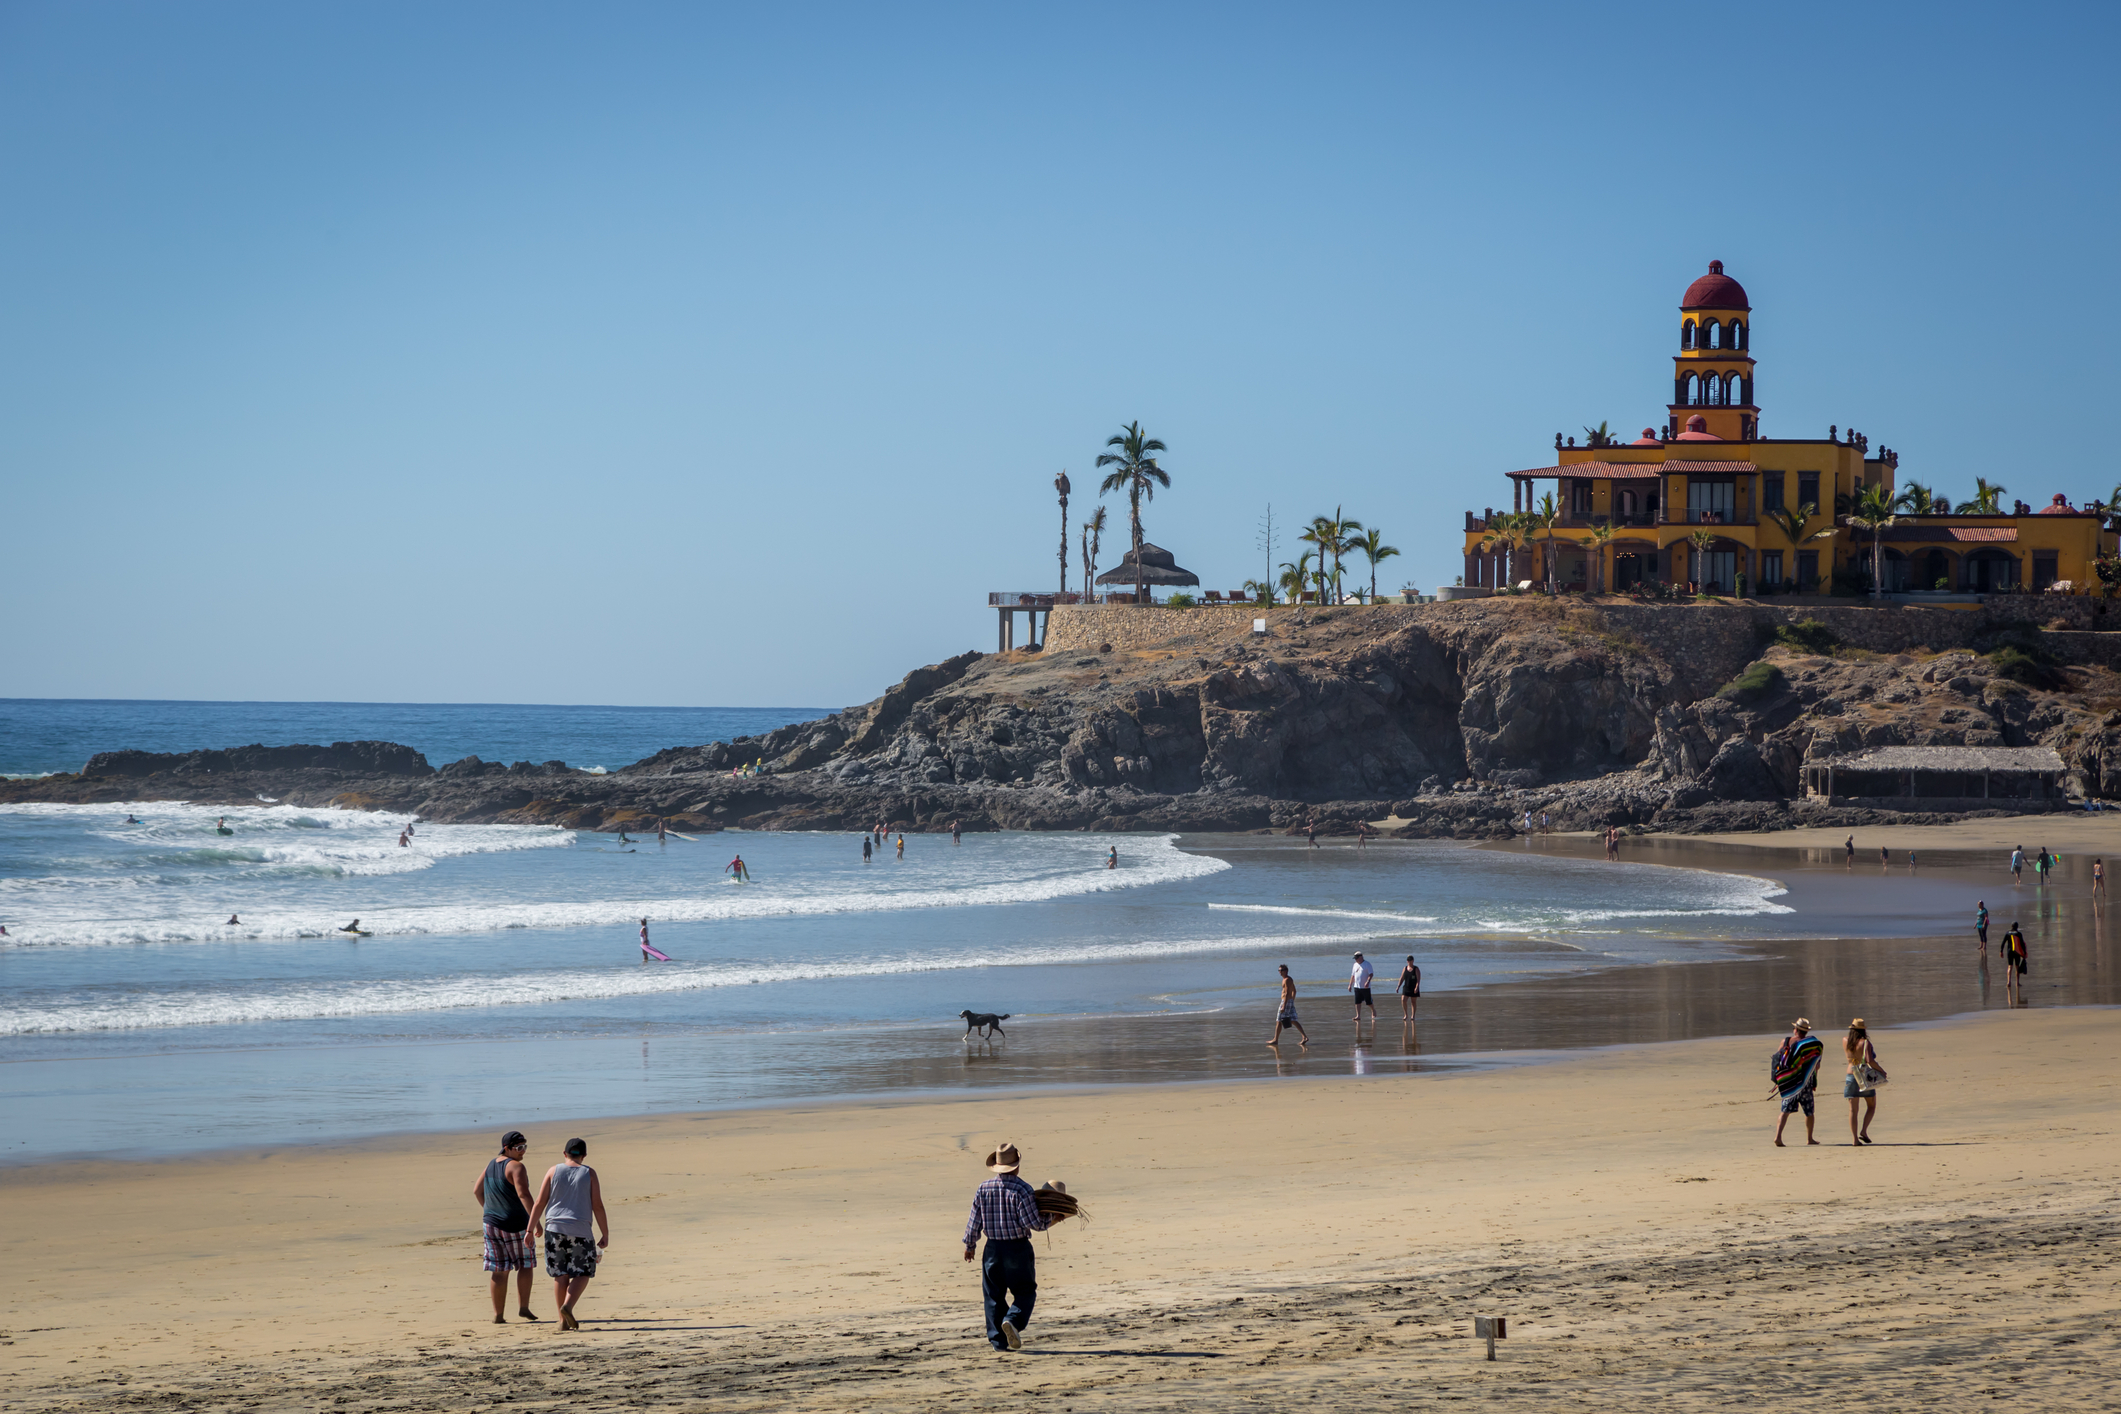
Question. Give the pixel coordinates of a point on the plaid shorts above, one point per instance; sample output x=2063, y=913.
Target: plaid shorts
x=510, y=1251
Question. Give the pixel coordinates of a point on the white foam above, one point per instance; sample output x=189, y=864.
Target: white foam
x=1321, y=912
x=319, y=1001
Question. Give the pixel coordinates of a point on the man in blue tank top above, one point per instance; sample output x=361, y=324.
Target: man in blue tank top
x=503, y=1190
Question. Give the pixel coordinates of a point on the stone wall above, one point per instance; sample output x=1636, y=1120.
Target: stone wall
x=1087, y=628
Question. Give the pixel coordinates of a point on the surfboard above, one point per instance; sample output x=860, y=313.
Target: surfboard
x=220, y=831
x=676, y=836
x=355, y=932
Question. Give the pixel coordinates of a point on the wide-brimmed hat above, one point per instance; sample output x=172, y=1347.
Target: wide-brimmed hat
x=1857, y=1025
x=1800, y=1024
x=1004, y=1159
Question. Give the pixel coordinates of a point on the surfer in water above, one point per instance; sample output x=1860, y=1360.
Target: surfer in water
x=354, y=928
x=233, y=922
x=736, y=870
x=131, y=821
x=623, y=839
x=648, y=953
x=662, y=833
x=405, y=839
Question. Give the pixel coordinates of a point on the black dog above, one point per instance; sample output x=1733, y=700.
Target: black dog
x=983, y=1021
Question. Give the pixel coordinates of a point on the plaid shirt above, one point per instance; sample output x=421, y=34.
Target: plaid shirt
x=1003, y=1208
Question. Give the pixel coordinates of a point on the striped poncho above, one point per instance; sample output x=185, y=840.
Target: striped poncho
x=1796, y=1065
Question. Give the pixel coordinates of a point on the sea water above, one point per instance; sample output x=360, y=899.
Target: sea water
x=497, y=970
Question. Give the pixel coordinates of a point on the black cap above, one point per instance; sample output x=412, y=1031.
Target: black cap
x=512, y=1138
x=575, y=1149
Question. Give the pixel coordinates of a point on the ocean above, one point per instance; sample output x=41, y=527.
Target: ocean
x=166, y=987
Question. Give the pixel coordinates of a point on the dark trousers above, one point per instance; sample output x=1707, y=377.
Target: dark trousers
x=1008, y=1268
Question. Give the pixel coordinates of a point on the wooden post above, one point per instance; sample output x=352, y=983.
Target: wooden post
x=1491, y=1329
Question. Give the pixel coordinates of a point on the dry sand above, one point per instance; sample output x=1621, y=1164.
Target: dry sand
x=2062, y=832
x=1273, y=1244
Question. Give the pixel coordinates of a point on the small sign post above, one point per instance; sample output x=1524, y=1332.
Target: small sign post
x=1259, y=628
x=1492, y=1328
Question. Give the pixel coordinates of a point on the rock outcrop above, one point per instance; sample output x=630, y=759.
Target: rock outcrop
x=1452, y=720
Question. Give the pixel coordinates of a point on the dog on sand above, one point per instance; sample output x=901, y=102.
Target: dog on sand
x=984, y=1021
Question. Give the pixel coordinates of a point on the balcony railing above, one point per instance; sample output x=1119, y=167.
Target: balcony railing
x=1687, y=515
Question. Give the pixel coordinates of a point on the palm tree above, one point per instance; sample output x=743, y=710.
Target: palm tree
x=1601, y=536
x=1597, y=436
x=1506, y=532
x=1331, y=535
x=1702, y=540
x=1372, y=544
x=1294, y=577
x=1135, y=472
x=1872, y=509
x=1791, y=524
x=1543, y=517
x=1988, y=499
x=1060, y=484
x=1917, y=500
x=1258, y=591
x=1319, y=535
x=1093, y=541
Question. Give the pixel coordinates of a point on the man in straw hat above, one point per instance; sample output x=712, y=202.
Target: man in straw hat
x=1004, y=1210
x=1795, y=1071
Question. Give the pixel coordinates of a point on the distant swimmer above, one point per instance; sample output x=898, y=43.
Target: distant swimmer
x=221, y=826
x=648, y=953
x=131, y=821
x=865, y=849
x=902, y=846
x=1112, y=859
x=662, y=832
x=354, y=928
x=3, y=930
x=737, y=870
x=954, y=839
x=233, y=922
x=404, y=839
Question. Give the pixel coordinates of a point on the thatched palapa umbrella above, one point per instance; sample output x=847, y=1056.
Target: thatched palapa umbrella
x=1156, y=567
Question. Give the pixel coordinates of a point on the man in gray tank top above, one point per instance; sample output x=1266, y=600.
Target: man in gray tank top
x=570, y=1196
x=503, y=1191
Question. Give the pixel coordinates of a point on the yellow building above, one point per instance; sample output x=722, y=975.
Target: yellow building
x=1706, y=499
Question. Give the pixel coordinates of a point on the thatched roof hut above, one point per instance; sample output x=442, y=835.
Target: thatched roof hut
x=1157, y=567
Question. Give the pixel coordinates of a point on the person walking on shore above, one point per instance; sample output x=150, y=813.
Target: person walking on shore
x=2042, y=862
x=1285, y=1012
x=1359, y=979
x=1005, y=1213
x=2017, y=862
x=570, y=1196
x=503, y=1190
x=2098, y=877
x=1865, y=1075
x=2013, y=961
x=1409, y=991
x=1848, y=849
x=1796, y=1075
x=1885, y=857
x=1981, y=924
x=738, y=870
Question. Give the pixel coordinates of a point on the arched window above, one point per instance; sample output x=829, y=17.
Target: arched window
x=1745, y=386
x=1734, y=391
x=1745, y=335
x=1715, y=398
x=1686, y=335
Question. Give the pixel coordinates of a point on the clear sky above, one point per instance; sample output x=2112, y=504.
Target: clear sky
x=683, y=354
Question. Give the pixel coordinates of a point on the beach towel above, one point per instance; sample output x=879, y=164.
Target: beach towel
x=1795, y=1068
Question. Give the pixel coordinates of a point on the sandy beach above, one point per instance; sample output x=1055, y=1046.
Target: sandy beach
x=2064, y=833
x=1321, y=1242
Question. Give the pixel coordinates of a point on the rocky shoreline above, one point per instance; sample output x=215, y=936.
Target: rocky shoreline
x=1447, y=721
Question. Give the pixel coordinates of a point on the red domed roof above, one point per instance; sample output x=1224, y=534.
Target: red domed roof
x=1714, y=290
x=2060, y=506
x=1697, y=430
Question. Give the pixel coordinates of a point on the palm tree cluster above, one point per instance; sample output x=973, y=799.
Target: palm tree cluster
x=1332, y=540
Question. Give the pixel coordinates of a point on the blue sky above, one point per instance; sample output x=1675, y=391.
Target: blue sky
x=676, y=354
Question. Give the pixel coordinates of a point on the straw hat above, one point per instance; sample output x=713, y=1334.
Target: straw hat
x=1800, y=1024
x=1004, y=1159
x=1857, y=1025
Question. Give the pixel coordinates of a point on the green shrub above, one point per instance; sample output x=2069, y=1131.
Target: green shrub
x=2031, y=666
x=1757, y=680
x=1806, y=635
x=1180, y=600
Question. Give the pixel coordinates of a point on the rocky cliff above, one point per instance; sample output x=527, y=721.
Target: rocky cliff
x=1451, y=719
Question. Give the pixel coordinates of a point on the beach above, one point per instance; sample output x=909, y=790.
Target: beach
x=1249, y=1244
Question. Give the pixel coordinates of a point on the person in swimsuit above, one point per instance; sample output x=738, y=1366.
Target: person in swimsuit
x=503, y=1191
x=571, y=1195
x=954, y=833
x=1409, y=990
x=662, y=832
x=404, y=839
x=1311, y=832
x=1981, y=924
x=2017, y=861
x=1112, y=858
x=902, y=846
x=1885, y=857
x=1285, y=1014
x=865, y=849
x=1860, y=1053
x=2013, y=960
x=736, y=870
x=233, y=922
x=2098, y=876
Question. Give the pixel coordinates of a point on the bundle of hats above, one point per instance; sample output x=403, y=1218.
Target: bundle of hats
x=1053, y=1199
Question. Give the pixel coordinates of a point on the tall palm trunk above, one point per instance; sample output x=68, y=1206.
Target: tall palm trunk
x=1141, y=571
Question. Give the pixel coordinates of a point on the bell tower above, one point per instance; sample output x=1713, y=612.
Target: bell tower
x=1712, y=374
